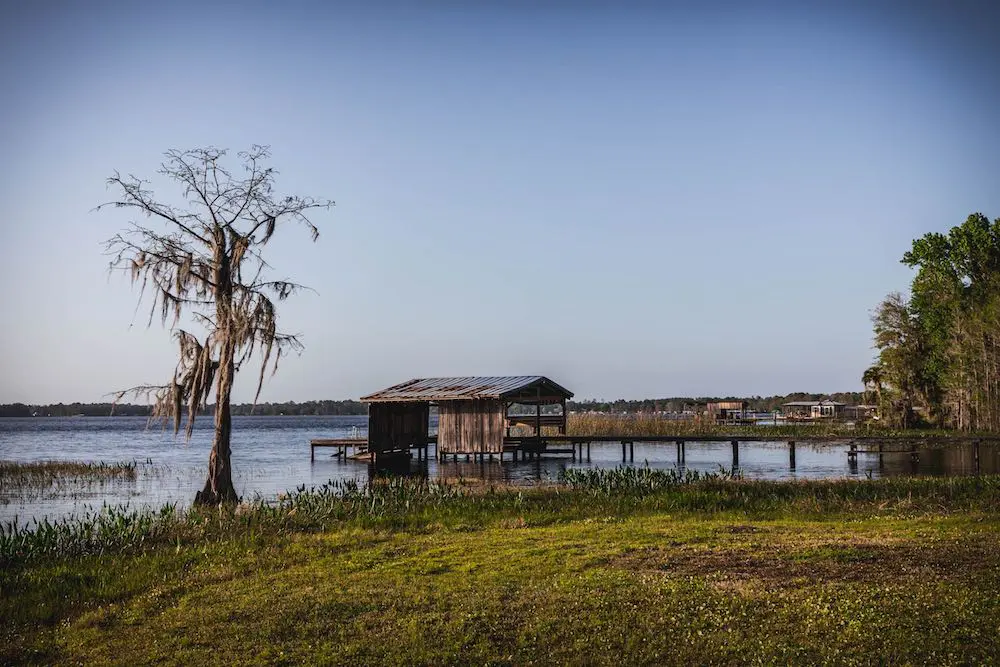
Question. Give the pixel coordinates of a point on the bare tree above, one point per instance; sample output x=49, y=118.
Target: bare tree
x=204, y=258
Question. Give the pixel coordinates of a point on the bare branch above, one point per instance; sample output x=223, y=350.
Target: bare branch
x=199, y=267
x=137, y=198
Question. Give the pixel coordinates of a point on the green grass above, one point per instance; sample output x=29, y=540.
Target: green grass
x=610, y=567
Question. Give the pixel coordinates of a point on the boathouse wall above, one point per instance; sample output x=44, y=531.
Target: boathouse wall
x=397, y=426
x=471, y=426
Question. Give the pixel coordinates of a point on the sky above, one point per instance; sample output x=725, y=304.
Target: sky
x=635, y=199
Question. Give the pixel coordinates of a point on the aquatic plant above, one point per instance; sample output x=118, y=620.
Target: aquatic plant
x=630, y=479
x=24, y=481
x=109, y=530
x=44, y=472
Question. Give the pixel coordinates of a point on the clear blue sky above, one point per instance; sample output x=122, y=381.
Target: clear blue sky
x=694, y=200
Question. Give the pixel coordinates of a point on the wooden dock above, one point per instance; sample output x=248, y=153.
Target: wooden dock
x=880, y=450
x=530, y=447
x=360, y=447
x=578, y=446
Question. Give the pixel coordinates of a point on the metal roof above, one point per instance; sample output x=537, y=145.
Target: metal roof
x=463, y=388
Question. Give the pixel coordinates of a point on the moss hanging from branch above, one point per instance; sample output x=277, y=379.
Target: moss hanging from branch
x=198, y=259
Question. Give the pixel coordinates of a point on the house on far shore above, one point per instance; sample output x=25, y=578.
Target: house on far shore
x=824, y=409
x=861, y=412
x=728, y=411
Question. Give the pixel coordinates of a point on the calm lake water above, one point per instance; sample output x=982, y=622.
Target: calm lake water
x=271, y=456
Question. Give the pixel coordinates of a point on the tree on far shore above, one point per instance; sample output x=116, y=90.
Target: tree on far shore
x=939, y=346
x=204, y=259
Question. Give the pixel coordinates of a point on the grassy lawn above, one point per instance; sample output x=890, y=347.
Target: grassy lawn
x=720, y=571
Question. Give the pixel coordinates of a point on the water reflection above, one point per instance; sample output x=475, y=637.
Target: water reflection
x=753, y=460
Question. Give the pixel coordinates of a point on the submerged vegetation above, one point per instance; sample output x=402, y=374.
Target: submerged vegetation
x=47, y=478
x=610, y=566
x=35, y=473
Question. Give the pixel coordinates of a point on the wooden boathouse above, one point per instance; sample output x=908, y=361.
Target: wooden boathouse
x=474, y=413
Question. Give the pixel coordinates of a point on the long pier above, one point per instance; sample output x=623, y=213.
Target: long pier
x=578, y=446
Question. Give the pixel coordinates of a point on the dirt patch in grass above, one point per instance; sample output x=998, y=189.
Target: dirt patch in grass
x=842, y=560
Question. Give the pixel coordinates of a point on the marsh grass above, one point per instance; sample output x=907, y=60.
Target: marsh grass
x=54, y=479
x=639, y=424
x=630, y=479
x=44, y=473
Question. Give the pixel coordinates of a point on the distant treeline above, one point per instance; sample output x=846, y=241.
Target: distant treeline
x=126, y=409
x=350, y=407
x=697, y=404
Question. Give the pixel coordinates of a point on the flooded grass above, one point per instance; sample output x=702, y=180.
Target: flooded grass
x=626, y=566
x=21, y=482
x=45, y=473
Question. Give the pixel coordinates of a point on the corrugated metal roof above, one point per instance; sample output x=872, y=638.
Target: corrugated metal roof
x=461, y=388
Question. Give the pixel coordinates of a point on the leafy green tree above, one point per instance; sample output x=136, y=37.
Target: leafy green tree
x=942, y=346
x=898, y=340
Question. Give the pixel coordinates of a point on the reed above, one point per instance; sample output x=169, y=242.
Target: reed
x=628, y=479
x=25, y=481
x=14, y=474
x=638, y=424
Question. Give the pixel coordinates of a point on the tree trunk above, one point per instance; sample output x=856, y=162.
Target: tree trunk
x=219, y=485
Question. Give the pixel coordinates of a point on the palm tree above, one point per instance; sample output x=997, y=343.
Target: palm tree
x=873, y=378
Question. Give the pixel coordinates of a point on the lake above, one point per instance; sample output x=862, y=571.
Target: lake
x=271, y=456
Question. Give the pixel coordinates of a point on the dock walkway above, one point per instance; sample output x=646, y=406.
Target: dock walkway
x=578, y=446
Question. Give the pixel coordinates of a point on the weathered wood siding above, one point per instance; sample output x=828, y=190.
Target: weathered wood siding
x=468, y=427
x=393, y=426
